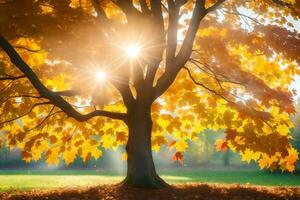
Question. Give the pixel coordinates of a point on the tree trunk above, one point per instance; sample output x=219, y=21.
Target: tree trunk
x=140, y=166
x=227, y=157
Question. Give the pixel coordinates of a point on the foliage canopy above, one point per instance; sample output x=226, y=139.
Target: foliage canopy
x=211, y=64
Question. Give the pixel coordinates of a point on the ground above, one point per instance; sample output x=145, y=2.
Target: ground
x=178, y=192
x=186, y=184
x=22, y=180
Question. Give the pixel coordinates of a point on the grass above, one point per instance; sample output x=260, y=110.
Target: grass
x=22, y=180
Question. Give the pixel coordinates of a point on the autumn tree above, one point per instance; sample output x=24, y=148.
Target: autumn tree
x=78, y=76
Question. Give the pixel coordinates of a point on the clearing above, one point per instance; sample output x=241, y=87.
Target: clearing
x=24, y=180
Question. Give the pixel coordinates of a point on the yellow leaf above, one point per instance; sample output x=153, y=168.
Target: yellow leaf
x=124, y=156
x=263, y=162
x=283, y=130
x=96, y=153
x=107, y=141
x=155, y=148
x=69, y=156
x=247, y=155
x=181, y=146
x=159, y=140
x=52, y=156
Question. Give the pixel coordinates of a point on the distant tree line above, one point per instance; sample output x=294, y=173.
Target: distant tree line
x=201, y=152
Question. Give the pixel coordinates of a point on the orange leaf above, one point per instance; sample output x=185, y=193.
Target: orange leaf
x=221, y=145
x=178, y=156
x=172, y=143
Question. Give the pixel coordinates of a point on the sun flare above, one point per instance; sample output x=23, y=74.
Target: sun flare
x=133, y=51
x=101, y=76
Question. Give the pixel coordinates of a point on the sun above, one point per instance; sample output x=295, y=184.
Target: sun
x=133, y=51
x=101, y=76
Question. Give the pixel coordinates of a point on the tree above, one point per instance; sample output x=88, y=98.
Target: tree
x=81, y=75
x=202, y=149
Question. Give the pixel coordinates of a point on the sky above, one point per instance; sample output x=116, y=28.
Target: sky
x=296, y=84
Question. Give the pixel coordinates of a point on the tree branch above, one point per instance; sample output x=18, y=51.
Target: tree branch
x=19, y=96
x=68, y=93
x=100, y=12
x=29, y=111
x=187, y=46
x=253, y=113
x=242, y=15
x=288, y=5
x=144, y=7
x=215, y=6
x=11, y=78
x=282, y=3
x=27, y=49
x=7, y=2
x=127, y=7
x=172, y=30
x=157, y=13
x=44, y=92
x=174, y=66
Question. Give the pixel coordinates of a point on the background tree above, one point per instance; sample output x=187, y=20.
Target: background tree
x=81, y=75
x=296, y=130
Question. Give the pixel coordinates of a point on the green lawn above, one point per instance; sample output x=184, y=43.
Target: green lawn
x=26, y=180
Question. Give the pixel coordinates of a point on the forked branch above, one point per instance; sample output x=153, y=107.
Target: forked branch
x=173, y=66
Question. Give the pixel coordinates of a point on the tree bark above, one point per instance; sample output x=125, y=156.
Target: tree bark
x=140, y=166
